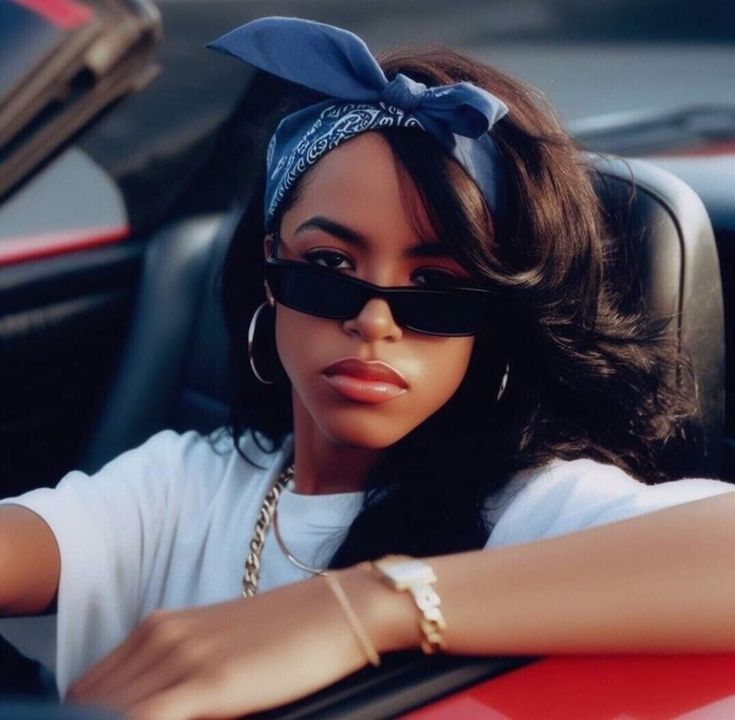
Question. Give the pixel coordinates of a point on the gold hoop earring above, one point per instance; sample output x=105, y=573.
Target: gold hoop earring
x=503, y=382
x=251, y=344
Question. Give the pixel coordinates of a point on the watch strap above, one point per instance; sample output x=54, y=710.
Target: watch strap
x=416, y=577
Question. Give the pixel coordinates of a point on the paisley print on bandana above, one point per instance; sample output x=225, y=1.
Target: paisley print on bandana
x=334, y=125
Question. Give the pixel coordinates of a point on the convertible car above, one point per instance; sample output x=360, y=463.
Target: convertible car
x=126, y=154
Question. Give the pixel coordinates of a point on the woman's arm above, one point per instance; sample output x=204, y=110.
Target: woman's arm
x=29, y=562
x=659, y=582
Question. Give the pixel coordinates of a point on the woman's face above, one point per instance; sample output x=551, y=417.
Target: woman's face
x=365, y=382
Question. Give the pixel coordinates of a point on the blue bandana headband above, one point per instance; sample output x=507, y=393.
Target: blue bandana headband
x=338, y=64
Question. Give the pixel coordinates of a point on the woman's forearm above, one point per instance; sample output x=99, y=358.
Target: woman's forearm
x=660, y=582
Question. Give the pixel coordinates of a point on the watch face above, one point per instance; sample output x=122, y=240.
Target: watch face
x=409, y=572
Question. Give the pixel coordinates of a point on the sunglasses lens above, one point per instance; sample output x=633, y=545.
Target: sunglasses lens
x=316, y=291
x=311, y=290
x=450, y=313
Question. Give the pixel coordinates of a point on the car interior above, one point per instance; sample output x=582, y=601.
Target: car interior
x=176, y=349
x=85, y=335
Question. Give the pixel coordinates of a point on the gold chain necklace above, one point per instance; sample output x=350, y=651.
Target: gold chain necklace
x=267, y=516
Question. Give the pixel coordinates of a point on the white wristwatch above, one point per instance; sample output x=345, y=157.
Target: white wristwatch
x=407, y=574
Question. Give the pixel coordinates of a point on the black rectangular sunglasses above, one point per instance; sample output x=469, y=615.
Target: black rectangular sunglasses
x=326, y=293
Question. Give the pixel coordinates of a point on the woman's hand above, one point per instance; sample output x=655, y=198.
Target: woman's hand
x=237, y=657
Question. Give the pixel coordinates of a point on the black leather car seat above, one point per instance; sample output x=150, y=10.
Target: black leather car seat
x=172, y=373
x=172, y=370
x=668, y=266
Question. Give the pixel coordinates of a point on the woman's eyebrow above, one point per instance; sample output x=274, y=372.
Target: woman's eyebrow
x=340, y=231
x=426, y=249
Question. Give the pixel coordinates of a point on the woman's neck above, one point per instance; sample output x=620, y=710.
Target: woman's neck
x=323, y=466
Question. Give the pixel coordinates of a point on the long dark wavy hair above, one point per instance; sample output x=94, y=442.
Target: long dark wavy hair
x=586, y=379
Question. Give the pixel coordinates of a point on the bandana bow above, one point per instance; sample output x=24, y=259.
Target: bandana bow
x=339, y=64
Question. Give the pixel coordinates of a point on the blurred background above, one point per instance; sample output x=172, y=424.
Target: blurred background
x=611, y=68
x=633, y=77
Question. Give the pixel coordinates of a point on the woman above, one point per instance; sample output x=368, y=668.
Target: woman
x=453, y=382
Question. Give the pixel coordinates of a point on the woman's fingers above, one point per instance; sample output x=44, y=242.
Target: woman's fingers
x=141, y=680
x=96, y=674
x=223, y=660
x=147, y=647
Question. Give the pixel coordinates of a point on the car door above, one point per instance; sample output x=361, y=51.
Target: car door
x=72, y=238
x=68, y=269
x=68, y=262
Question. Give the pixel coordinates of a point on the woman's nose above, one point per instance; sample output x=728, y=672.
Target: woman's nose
x=374, y=322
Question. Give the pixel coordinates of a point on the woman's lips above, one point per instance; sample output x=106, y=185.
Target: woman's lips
x=366, y=381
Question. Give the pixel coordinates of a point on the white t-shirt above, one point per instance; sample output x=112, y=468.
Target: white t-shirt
x=167, y=525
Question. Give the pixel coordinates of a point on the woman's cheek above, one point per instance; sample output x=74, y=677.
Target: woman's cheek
x=441, y=365
x=297, y=335
x=434, y=367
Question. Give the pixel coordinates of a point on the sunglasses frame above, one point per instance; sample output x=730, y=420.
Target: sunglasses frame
x=274, y=268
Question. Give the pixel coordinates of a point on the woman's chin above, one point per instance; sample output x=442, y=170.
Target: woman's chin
x=367, y=435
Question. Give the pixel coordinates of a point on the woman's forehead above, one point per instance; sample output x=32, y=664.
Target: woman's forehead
x=361, y=185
